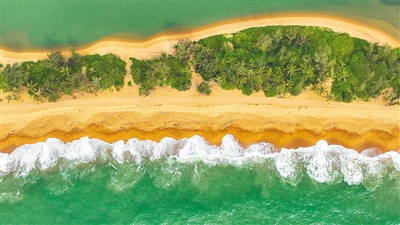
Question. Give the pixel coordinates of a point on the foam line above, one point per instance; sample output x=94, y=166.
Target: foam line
x=324, y=163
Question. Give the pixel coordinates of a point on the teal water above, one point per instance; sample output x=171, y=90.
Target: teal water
x=48, y=23
x=191, y=181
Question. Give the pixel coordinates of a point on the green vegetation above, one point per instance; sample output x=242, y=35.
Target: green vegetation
x=276, y=60
x=172, y=70
x=52, y=77
x=105, y=71
x=289, y=59
x=3, y=84
x=12, y=79
x=204, y=88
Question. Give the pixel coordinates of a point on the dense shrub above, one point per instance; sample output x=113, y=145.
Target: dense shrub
x=288, y=59
x=159, y=71
x=204, y=88
x=105, y=71
x=56, y=75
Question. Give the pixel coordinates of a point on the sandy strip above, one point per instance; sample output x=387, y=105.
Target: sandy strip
x=285, y=122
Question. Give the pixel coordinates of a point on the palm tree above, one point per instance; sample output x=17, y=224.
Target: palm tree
x=283, y=54
x=240, y=68
x=277, y=35
x=250, y=74
x=231, y=61
x=385, y=51
x=14, y=77
x=306, y=59
x=164, y=56
x=291, y=69
x=342, y=75
x=257, y=82
x=183, y=49
x=161, y=67
x=96, y=82
x=269, y=73
x=261, y=62
x=308, y=73
x=321, y=89
x=277, y=76
x=240, y=80
x=264, y=42
x=260, y=71
x=143, y=91
x=55, y=60
x=371, y=51
x=329, y=98
x=65, y=71
x=32, y=87
x=301, y=39
x=291, y=34
x=219, y=79
x=37, y=98
x=159, y=72
x=92, y=70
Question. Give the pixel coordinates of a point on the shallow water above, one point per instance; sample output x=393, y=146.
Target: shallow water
x=190, y=180
x=48, y=23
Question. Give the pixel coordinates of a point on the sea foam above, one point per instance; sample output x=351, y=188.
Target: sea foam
x=324, y=163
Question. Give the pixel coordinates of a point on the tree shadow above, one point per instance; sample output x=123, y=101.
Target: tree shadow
x=390, y=2
x=173, y=27
x=51, y=40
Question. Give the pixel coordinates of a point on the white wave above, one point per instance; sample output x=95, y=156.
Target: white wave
x=322, y=162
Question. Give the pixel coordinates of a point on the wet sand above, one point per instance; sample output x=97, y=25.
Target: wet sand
x=286, y=122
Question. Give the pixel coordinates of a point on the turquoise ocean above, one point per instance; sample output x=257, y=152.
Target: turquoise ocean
x=53, y=23
x=190, y=181
x=186, y=181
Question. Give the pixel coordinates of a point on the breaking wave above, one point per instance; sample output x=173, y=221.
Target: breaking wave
x=323, y=163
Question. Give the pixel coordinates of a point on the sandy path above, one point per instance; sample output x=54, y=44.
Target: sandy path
x=290, y=122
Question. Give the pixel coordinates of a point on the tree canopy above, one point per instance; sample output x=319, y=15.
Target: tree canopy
x=159, y=71
x=289, y=59
x=276, y=60
x=56, y=75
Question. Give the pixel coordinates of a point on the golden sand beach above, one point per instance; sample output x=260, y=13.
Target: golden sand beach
x=286, y=122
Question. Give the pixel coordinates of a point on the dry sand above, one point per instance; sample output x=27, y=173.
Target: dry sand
x=285, y=122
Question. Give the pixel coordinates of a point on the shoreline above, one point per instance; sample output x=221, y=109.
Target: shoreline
x=163, y=42
x=381, y=140
x=280, y=139
x=285, y=122
x=290, y=122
